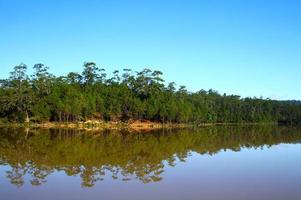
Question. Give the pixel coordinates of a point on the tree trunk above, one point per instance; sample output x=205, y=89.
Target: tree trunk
x=60, y=117
x=27, y=118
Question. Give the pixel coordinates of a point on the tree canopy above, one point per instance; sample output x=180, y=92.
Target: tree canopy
x=127, y=95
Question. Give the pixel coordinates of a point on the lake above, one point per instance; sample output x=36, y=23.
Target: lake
x=218, y=163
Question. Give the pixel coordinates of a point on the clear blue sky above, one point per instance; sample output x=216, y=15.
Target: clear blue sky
x=244, y=47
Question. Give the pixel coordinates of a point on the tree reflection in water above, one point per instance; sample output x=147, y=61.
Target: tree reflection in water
x=122, y=155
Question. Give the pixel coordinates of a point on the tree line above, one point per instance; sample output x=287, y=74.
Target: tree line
x=127, y=95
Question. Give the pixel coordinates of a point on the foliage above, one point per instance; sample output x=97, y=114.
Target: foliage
x=130, y=95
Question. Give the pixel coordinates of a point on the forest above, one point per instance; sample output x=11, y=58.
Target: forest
x=127, y=95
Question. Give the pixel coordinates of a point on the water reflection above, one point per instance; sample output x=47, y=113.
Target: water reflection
x=122, y=155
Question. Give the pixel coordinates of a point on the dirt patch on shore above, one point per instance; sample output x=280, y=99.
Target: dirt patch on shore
x=94, y=125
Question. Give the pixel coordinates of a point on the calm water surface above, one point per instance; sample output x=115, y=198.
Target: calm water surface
x=243, y=163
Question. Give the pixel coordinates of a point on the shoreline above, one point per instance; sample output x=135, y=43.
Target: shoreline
x=100, y=125
x=132, y=126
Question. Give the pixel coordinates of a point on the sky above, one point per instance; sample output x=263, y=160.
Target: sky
x=251, y=48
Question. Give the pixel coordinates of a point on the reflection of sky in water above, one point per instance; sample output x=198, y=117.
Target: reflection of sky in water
x=267, y=173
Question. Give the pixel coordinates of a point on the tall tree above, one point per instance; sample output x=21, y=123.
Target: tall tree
x=18, y=98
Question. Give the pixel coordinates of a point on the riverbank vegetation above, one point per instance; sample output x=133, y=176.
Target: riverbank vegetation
x=127, y=95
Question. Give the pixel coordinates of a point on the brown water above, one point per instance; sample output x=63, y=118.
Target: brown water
x=208, y=163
